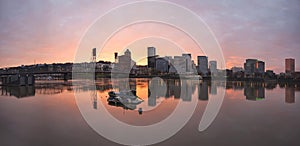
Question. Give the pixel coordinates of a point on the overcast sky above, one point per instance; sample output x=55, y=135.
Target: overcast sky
x=50, y=31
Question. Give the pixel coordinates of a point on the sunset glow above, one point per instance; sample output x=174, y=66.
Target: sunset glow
x=49, y=31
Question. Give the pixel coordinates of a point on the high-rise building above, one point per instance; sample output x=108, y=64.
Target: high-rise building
x=250, y=66
x=289, y=65
x=151, y=51
x=188, y=58
x=162, y=64
x=202, y=65
x=180, y=64
x=213, y=66
x=125, y=62
x=237, y=69
x=260, y=67
x=194, y=67
x=94, y=55
x=151, y=57
x=116, y=57
x=253, y=66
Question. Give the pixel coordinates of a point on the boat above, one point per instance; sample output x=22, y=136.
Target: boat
x=129, y=93
x=124, y=106
x=112, y=99
x=112, y=94
x=124, y=97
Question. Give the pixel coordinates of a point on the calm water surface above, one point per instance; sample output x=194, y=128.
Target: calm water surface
x=251, y=113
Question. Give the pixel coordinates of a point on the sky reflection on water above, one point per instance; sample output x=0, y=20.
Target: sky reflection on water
x=251, y=113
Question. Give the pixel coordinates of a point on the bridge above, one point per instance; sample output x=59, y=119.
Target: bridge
x=28, y=77
x=21, y=77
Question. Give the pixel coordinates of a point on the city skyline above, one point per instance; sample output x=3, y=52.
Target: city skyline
x=30, y=36
x=250, y=65
x=202, y=64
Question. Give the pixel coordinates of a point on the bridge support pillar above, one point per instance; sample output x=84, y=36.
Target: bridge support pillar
x=67, y=76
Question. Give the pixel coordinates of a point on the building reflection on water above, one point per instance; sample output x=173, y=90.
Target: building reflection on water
x=203, y=91
x=213, y=88
x=254, y=91
x=289, y=94
x=170, y=88
x=161, y=88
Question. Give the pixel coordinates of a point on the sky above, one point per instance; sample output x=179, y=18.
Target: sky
x=49, y=31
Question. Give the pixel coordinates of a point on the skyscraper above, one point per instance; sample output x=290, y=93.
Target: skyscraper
x=151, y=51
x=289, y=65
x=188, y=58
x=253, y=66
x=250, y=66
x=180, y=64
x=116, y=57
x=213, y=66
x=94, y=55
x=260, y=67
x=151, y=57
x=162, y=64
x=203, y=65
